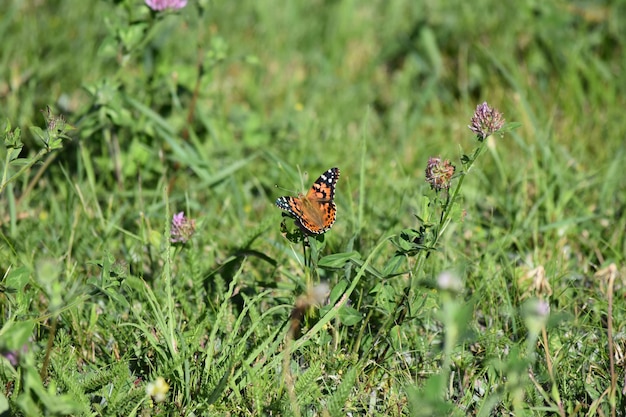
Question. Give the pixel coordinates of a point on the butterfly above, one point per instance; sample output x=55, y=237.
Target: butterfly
x=314, y=212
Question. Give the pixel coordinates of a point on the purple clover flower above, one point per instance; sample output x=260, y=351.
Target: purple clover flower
x=486, y=121
x=439, y=173
x=13, y=356
x=160, y=5
x=182, y=228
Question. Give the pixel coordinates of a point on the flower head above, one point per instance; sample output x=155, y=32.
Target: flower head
x=449, y=281
x=536, y=312
x=55, y=123
x=182, y=228
x=13, y=356
x=439, y=173
x=159, y=5
x=486, y=121
x=158, y=389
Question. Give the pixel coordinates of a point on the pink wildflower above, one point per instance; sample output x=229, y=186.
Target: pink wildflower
x=159, y=5
x=182, y=228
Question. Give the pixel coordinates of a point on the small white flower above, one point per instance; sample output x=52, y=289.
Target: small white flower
x=449, y=281
x=158, y=389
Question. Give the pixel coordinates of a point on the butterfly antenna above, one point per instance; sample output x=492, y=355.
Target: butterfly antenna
x=284, y=189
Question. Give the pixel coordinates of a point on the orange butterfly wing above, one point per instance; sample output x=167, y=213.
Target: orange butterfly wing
x=316, y=211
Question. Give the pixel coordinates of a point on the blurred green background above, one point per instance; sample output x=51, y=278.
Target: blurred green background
x=309, y=83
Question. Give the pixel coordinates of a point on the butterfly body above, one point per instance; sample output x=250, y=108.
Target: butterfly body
x=315, y=211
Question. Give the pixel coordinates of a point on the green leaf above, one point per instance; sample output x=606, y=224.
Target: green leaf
x=50, y=400
x=18, y=278
x=12, y=138
x=393, y=265
x=4, y=405
x=56, y=143
x=39, y=133
x=349, y=316
x=132, y=35
x=508, y=127
x=16, y=334
x=337, y=292
x=338, y=260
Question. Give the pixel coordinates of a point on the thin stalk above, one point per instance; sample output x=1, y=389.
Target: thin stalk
x=30, y=163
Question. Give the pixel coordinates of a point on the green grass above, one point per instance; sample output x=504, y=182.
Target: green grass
x=204, y=111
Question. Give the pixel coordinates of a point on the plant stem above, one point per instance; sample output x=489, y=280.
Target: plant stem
x=30, y=163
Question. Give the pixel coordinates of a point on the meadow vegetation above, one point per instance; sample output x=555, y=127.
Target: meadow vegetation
x=145, y=269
